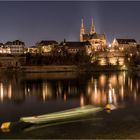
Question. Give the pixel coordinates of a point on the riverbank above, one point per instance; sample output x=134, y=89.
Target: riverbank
x=118, y=124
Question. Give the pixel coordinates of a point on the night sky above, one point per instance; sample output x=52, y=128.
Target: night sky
x=35, y=21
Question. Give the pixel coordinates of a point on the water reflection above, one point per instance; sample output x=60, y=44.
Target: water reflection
x=97, y=89
x=5, y=91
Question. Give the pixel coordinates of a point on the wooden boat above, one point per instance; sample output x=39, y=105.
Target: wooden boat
x=67, y=114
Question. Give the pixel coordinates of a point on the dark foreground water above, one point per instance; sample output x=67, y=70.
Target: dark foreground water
x=41, y=93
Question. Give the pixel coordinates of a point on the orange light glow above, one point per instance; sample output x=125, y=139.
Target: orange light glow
x=82, y=100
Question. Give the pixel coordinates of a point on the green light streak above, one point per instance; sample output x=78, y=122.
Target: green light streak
x=61, y=115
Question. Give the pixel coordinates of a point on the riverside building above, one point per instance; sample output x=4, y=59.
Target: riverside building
x=73, y=47
x=47, y=46
x=16, y=47
x=124, y=44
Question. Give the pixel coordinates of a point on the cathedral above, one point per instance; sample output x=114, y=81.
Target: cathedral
x=97, y=41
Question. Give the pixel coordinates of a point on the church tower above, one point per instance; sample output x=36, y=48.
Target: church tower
x=92, y=30
x=82, y=30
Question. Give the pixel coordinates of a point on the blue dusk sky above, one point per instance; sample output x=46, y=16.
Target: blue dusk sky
x=32, y=21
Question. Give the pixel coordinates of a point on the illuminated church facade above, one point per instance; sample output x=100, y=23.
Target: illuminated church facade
x=97, y=41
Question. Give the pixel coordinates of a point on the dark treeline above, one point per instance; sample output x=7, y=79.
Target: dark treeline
x=68, y=59
x=73, y=59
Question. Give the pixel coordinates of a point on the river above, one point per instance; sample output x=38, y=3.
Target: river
x=27, y=94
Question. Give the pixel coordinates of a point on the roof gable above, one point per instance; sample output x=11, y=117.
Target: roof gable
x=126, y=41
x=16, y=42
x=47, y=42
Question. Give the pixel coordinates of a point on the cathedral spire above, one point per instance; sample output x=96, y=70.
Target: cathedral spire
x=82, y=23
x=92, y=30
x=82, y=30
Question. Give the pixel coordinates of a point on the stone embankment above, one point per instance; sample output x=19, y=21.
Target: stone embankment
x=52, y=68
x=71, y=68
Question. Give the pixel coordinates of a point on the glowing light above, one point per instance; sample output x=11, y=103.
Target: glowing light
x=124, y=77
x=113, y=90
x=28, y=90
x=95, y=89
x=25, y=91
x=121, y=79
x=89, y=90
x=102, y=79
x=82, y=100
x=124, y=67
x=131, y=85
x=122, y=93
x=10, y=91
x=46, y=49
x=45, y=91
x=65, y=97
x=137, y=85
x=1, y=92
x=114, y=96
x=5, y=126
x=109, y=45
x=102, y=61
x=92, y=79
x=108, y=110
x=59, y=88
x=110, y=96
x=113, y=80
x=135, y=96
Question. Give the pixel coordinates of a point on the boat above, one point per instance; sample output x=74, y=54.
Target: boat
x=67, y=114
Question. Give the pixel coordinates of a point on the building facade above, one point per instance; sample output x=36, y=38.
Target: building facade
x=16, y=47
x=47, y=46
x=32, y=50
x=4, y=49
x=73, y=47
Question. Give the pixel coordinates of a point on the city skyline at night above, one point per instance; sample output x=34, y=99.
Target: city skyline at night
x=34, y=21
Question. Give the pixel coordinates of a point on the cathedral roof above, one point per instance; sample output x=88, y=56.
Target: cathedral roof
x=94, y=36
x=76, y=44
x=86, y=37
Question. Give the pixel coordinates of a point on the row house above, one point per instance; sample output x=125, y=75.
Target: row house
x=15, y=48
x=4, y=49
x=46, y=46
x=124, y=44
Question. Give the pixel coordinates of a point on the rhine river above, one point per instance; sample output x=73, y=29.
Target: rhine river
x=28, y=94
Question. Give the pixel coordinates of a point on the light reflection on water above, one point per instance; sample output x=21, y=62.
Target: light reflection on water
x=30, y=94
